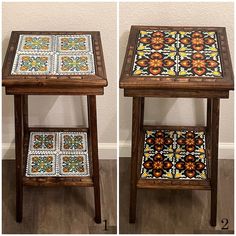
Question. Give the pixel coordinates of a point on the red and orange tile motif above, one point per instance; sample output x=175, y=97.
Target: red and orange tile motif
x=170, y=154
x=177, y=53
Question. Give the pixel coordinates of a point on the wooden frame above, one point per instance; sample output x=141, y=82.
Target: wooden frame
x=55, y=84
x=210, y=88
x=23, y=85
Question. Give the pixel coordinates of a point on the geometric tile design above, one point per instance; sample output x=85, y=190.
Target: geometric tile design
x=76, y=43
x=54, y=55
x=67, y=64
x=170, y=154
x=33, y=64
x=177, y=53
x=57, y=154
x=72, y=164
x=42, y=164
x=42, y=141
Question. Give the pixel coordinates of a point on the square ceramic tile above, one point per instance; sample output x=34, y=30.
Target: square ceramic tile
x=157, y=40
x=200, y=64
x=41, y=165
x=43, y=141
x=73, y=141
x=74, y=43
x=172, y=154
x=32, y=64
x=197, y=41
x=54, y=55
x=75, y=64
x=57, y=154
x=155, y=63
x=73, y=164
x=35, y=43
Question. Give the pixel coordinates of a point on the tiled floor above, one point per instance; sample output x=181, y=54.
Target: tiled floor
x=177, y=53
x=54, y=54
x=170, y=154
x=57, y=154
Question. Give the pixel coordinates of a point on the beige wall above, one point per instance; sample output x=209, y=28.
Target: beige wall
x=66, y=110
x=176, y=111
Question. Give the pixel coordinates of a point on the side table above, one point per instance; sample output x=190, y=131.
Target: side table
x=187, y=62
x=55, y=63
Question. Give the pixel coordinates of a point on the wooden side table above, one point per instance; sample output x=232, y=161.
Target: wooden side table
x=188, y=62
x=55, y=63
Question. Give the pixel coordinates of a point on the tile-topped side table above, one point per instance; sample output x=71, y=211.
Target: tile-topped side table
x=188, y=62
x=55, y=63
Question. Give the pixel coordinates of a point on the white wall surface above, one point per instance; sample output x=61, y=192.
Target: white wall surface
x=65, y=110
x=176, y=111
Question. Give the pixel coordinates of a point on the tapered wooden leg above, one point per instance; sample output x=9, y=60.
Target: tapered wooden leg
x=19, y=145
x=214, y=160
x=92, y=119
x=137, y=121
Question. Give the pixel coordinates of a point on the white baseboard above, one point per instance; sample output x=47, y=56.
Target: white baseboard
x=109, y=150
x=106, y=151
x=226, y=150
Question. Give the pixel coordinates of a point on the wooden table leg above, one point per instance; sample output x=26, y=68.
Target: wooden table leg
x=19, y=145
x=137, y=122
x=92, y=119
x=214, y=160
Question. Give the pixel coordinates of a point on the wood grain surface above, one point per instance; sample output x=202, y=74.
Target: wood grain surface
x=60, y=210
x=177, y=211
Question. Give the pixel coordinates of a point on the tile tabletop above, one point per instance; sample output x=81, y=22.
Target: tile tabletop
x=45, y=56
x=157, y=55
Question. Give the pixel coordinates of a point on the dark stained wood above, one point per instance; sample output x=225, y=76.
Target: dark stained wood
x=19, y=144
x=57, y=129
x=92, y=120
x=58, y=181
x=29, y=84
x=214, y=161
x=196, y=128
x=137, y=117
x=174, y=184
x=54, y=90
x=178, y=93
x=129, y=81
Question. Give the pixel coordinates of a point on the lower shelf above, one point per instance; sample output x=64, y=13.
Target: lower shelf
x=57, y=157
x=174, y=158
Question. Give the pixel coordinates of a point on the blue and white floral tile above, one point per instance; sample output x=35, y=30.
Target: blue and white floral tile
x=57, y=154
x=73, y=164
x=74, y=43
x=82, y=64
x=41, y=165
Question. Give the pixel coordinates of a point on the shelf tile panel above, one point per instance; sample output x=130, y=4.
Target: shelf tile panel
x=57, y=154
x=177, y=53
x=54, y=55
x=170, y=154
